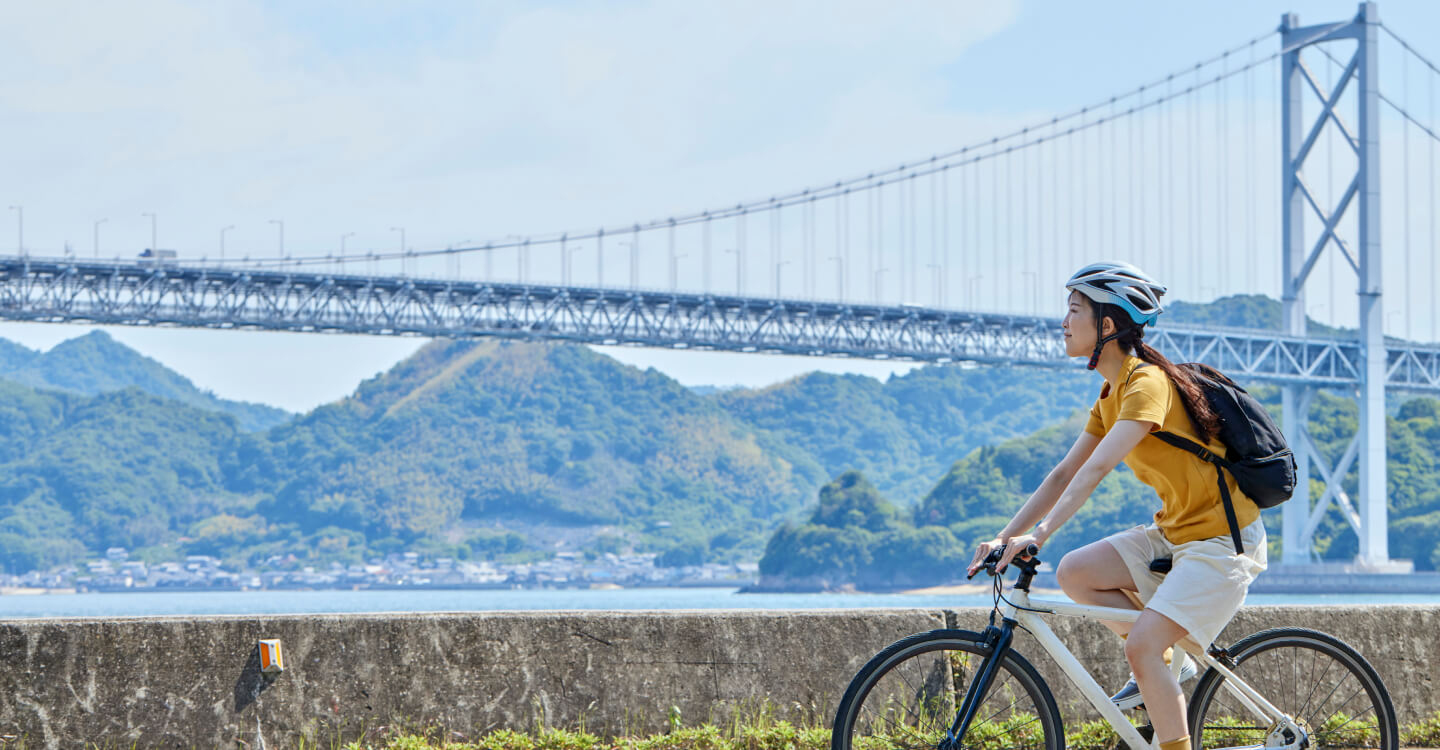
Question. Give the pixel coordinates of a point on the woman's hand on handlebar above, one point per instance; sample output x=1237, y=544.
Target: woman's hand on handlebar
x=983, y=551
x=1017, y=546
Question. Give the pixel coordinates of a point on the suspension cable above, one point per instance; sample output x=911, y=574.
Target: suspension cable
x=992, y=148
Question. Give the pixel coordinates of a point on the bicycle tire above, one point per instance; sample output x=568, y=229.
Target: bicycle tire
x=1315, y=678
x=906, y=696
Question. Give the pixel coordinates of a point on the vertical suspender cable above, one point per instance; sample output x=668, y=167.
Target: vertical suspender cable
x=1252, y=252
x=705, y=253
x=1084, y=189
x=1009, y=224
x=1114, y=243
x=1405, y=147
x=1166, y=181
x=1434, y=246
x=879, y=234
x=1195, y=187
x=842, y=243
x=1039, y=212
x=1137, y=217
x=1222, y=155
x=1072, y=241
x=1054, y=215
x=870, y=236
x=1025, y=209
x=900, y=232
x=934, y=239
x=741, y=265
x=945, y=233
x=1275, y=189
x=915, y=272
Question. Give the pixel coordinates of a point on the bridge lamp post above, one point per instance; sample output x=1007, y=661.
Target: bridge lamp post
x=839, y=277
x=879, y=272
x=972, y=287
x=739, y=284
x=450, y=249
x=154, y=232
x=675, y=269
x=281, y=224
x=20, y=235
x=342, y=247
x=223, y=230
x=401, y=230
x=98, y=222
x=779, y=265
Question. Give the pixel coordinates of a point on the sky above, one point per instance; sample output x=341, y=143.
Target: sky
x=462, y=122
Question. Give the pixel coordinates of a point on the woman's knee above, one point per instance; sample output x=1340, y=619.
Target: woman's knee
x=1087, y=568
x=1151, y=635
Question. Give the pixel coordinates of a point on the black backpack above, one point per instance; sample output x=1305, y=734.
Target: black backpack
x=1256, y=453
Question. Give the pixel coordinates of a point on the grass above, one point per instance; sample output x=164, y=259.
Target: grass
x=783, y=735
x=760, y=731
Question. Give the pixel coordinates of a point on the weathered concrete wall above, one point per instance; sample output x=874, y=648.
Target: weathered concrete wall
x=194, y=682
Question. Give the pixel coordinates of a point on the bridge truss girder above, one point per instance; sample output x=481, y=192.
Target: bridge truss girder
x=61, y=290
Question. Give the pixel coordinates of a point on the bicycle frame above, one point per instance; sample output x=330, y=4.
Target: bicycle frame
x=1016, y=610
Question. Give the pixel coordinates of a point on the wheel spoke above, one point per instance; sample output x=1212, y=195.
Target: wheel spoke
x=1338, y=708
x=913, y=702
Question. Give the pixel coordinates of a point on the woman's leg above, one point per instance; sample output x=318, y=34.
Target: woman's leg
x=1145, y=649
x=1096, y=575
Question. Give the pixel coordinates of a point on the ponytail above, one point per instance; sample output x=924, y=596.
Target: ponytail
x=1130, y=337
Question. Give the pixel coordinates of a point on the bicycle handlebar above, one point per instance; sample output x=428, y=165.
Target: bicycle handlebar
x=993, y=559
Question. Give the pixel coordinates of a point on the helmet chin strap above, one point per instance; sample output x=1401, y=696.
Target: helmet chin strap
x=1100, y=343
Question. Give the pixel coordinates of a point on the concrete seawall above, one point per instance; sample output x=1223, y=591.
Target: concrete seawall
x=195, y=682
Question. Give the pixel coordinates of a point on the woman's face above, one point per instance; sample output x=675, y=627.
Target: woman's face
x=1079, y=326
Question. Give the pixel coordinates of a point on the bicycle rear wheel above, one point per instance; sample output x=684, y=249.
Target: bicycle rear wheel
x=1316, y=679
x=907, y=696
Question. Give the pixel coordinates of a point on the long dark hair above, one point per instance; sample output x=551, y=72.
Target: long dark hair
x=1131, y=339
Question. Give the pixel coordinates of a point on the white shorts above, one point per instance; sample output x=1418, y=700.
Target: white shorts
x=1207, y=580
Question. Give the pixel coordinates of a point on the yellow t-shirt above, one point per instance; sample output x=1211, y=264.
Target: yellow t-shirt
x=1191, y=507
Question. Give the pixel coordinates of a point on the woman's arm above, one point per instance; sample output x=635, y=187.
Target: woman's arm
x=1043, y=499
x=1045, y=496
x=1117, y=443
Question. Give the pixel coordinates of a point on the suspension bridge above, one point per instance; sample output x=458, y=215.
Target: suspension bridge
x=954, y=257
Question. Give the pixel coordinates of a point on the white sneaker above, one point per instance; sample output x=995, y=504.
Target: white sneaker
x=1129, y=696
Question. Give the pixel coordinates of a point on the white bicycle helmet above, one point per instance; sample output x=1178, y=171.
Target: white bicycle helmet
x=1122, y=285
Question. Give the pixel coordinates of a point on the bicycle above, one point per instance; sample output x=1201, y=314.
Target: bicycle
x=1279, y=689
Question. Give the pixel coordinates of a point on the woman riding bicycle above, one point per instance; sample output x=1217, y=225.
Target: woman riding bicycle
x=1109, y=306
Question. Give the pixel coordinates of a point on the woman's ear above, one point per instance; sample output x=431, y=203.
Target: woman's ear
x=1107, y=326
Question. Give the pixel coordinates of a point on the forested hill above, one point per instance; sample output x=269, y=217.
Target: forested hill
x=468, y=440
x=95, y=363
x=908, y=430
x=855, y=537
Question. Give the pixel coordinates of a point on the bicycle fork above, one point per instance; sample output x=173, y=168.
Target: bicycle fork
x=998, y=639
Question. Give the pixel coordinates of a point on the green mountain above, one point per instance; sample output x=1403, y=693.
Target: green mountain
x=468, y=434
x=981, y=492
x=905, y=431
x=96, y=363
x=124, y=468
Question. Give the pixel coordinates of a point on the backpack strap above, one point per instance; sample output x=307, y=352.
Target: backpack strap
x=1220, y=464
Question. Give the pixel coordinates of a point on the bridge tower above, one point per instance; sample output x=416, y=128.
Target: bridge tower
x=1367, y=513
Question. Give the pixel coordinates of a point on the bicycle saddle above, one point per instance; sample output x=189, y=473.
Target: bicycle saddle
x=1161, y=565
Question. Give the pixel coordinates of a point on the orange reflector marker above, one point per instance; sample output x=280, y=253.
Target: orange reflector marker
x=271, y=660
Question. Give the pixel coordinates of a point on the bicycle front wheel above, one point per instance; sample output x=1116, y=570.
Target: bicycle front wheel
x=1322, y=684
x=907, y=696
